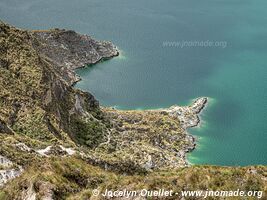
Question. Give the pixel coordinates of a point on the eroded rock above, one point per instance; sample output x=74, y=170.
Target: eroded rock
x=188, y=115
x=8, y=172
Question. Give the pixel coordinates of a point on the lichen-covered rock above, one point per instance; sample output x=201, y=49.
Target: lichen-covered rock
x=7, y=170
x=4, y=162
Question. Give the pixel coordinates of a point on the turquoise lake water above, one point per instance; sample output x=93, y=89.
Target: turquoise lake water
x=149, y=74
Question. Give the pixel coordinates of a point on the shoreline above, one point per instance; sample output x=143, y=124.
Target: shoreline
x=198, y=104
x=188, y=115
x=185, y=116
x=157, y=139
x=107, y=51
x=200, y=126
x=68, y=41
x=57, y=142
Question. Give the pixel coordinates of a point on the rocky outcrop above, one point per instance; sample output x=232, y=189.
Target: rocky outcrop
x=56, y=151
x=4, y=162
x=70, y=50
x=4, y=128
x=188, y=115
x=7, y=170
x=9, y=174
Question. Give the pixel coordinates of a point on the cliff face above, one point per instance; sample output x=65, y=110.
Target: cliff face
x=70, y=50
x=37, y=99
x=57, y=142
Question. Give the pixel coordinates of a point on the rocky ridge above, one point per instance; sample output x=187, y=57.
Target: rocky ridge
x=70, y=50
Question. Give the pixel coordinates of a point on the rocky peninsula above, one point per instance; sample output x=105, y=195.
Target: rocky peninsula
x=70, y=50
x=57, y=142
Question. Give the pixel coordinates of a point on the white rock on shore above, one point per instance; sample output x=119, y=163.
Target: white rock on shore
x=188, y=115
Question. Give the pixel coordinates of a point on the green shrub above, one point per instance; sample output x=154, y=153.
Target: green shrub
x=89, y=133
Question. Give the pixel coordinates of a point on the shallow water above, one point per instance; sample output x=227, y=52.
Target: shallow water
x=149, y=74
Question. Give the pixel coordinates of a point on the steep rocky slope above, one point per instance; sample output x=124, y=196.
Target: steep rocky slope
x=58, y=143
x=69, y=50
x=38, y=101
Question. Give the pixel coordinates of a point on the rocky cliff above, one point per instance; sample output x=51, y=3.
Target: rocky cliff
x=70, y=50
x=58, y=143
x=39, y=102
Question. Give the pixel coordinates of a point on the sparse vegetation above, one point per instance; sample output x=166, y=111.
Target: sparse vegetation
x=115, y=149
x=72, y=178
